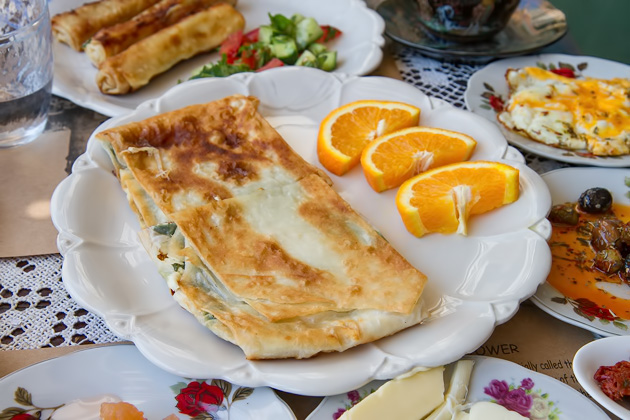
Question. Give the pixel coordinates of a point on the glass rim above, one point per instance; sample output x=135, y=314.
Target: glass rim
x=43, y=14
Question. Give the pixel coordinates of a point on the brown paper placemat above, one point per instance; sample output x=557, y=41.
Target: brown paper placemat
x=28, y=178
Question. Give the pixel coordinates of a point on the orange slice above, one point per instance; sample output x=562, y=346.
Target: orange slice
x=120, y=411
x=392, y=159
x=347, y=130
x=442, y=199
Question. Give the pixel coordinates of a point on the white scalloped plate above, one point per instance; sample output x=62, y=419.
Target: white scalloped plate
x=566, y=185
x=121, y=371
x=475, y=282
x=493, y=75
x=549, y=396
x=359, y=50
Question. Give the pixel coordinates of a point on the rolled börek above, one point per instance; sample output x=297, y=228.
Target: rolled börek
x=114, y=39
x=76, y=26
x=197, y=33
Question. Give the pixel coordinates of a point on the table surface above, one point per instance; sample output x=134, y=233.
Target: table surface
x=38, y=313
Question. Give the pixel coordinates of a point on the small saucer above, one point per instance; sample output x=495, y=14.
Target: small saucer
x=534, y=25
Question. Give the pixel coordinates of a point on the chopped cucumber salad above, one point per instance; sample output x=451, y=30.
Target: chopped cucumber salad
x=298, y=40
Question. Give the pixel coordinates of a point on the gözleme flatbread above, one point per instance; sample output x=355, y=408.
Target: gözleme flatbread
x=282, y=267
x=199, y=154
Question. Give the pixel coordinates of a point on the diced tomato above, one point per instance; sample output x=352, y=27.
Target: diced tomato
x=248, y=58
x=330, y=32
x=274, y=62
x=563, y=71
x=232, y=43
x=251, y=36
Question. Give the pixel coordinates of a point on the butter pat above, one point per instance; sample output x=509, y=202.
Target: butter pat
x=490, y=411
x=408, y=397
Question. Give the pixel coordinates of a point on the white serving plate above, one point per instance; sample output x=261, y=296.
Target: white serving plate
x=359, y=50
x=545, y=397
x=566, y=185
x=475, y=282
x=121, y=371
x=603, y=352
x=493, y=76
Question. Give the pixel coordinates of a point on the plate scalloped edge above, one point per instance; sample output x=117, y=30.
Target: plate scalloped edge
x=156, y=323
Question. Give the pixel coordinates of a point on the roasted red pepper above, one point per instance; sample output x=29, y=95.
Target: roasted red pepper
x=614, y=380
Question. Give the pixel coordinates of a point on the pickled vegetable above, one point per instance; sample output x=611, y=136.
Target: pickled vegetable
x=608, y=260
x=564, y=213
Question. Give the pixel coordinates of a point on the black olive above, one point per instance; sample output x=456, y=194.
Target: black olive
x=595, y=200
x=564, y=213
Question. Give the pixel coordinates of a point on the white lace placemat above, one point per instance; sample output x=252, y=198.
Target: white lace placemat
x=35, y=309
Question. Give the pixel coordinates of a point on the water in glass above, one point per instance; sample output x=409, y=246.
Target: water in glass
x=26, y=68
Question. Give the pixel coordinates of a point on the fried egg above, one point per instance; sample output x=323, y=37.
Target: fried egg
x=589, y=114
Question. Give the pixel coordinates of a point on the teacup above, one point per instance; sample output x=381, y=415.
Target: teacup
x=465, y=20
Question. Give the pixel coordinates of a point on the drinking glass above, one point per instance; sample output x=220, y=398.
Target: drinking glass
x=26, y=70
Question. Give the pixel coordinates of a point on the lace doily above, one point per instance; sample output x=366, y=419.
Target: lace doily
x=36, y=310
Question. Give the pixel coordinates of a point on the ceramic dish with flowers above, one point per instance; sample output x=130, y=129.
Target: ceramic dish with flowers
x=532, y=395
x=563, y=129
x=75, y=386
x=581, y=288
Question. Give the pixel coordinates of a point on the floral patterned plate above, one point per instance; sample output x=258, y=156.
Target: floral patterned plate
x=566, y=185
x=40, y=390
x=533, y=395
x=487, y=89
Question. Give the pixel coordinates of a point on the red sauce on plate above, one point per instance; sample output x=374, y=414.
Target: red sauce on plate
x=572, y=272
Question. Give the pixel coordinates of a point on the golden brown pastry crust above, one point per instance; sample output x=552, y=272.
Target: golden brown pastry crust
x=293, y=272
x=299, y=338
x=76, y=26
x=201, y=153
x=266, y=254
x=112, y=40
x=298, y=250
x=137, y=65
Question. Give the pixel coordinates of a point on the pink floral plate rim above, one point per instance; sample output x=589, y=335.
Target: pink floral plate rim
x=533, y=395
x=39, y=390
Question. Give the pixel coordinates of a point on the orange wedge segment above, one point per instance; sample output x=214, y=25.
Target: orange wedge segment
x=442, y=199
x=392, y=159
x=120, y=411
x=348, y=129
